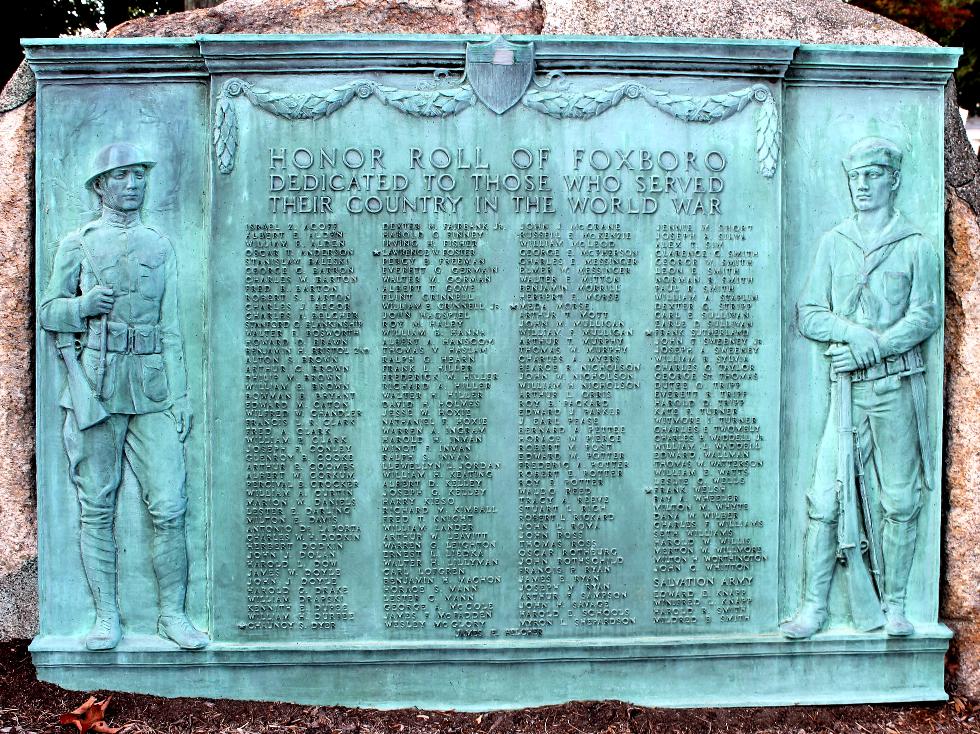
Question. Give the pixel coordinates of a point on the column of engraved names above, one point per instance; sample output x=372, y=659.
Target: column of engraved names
x=299, y=325
x=440, y=556
x=705, y=441
x=539, y=457
x=268, y=540
x=601, y=377
x=463, y=544
x=733, y=450
x=572, y=365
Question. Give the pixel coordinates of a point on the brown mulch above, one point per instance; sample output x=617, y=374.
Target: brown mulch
x=28, y=705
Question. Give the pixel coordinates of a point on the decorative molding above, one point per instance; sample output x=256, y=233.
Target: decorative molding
x=917, y=67
x=192, y=59
x=555, y=99
x=447, y=96
x=434, y=99
x=114, y=60
x=241, y=55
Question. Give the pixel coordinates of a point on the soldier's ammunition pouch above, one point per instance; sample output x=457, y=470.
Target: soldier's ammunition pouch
x=902, y=365
x=121, y=337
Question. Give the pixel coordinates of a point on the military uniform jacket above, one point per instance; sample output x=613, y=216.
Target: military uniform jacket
x=890, y=286
x=144, y=370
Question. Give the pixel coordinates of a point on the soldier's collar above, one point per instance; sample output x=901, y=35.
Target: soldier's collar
x=898, y=228
x=124, y=220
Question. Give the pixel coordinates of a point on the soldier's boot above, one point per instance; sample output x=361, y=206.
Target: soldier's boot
x=170, y=566
x=898, y=549
x=99, y=564
x=818, y=570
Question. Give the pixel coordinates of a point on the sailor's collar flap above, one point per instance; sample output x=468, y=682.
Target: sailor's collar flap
x=898, y=228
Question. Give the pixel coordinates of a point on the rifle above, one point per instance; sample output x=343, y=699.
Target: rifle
x=86, y=406
x=866, y=613
x=874, y=551
x=103, y=324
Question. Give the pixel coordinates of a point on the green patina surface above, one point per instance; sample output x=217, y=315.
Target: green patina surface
x=504, y=408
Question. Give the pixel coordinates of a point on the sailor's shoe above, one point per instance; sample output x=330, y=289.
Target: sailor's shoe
x=809, y=620
x=897, y=624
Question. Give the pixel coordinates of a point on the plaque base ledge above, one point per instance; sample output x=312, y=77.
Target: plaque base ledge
x=749, y=670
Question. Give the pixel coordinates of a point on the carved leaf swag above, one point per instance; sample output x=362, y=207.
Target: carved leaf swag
x=436, y=101
x=443, y=99
x=554, y=99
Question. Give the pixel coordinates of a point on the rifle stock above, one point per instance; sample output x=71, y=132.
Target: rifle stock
x=866, y=613
x=87, y=408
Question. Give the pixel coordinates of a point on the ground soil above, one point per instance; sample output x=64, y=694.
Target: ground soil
x=28, y=705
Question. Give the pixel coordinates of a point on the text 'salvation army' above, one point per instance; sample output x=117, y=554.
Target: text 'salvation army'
x=460, y=181
x=383, y=364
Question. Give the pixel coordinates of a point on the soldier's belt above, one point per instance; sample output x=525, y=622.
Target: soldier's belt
x=123, y=338
x=902, y=365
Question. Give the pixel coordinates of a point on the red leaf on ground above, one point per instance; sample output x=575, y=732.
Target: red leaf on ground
x=89, y=717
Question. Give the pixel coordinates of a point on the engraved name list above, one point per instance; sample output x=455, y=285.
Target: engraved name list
x=526, y=374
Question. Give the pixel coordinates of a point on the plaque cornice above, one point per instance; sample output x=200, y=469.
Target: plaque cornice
x=640, y=55
x=906, y=66
x=133, y=59
x=68, y=60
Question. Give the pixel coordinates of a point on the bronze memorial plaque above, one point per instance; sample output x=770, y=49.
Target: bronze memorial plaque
x=477, y=372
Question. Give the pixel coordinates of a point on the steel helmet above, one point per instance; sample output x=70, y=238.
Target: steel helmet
x=117, y=155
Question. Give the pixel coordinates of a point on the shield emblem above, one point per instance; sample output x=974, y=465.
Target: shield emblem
x=499, y=71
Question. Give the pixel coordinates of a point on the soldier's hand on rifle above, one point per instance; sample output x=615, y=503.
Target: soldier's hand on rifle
x=841, y=358
x=181, y=412
x=96, y=302
x=864, y=346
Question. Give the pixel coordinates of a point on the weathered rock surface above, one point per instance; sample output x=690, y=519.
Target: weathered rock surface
x=18, y=90
x=818, y=21
x=963, y=411
x=345, y=16
x=18, y=527
x=961, y=579
x=18, y=602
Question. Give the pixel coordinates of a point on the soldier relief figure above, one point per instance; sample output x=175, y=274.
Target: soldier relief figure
x=111, y=304
x=872, y=297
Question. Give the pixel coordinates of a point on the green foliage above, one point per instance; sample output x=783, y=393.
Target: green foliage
x=949, y=22
x=54, y=17
x=938, y=19
x=119, y=11
x=968, y=75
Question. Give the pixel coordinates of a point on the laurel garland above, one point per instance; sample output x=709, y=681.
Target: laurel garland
x=225, y=135
x=553, y=98
x=434, y=101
